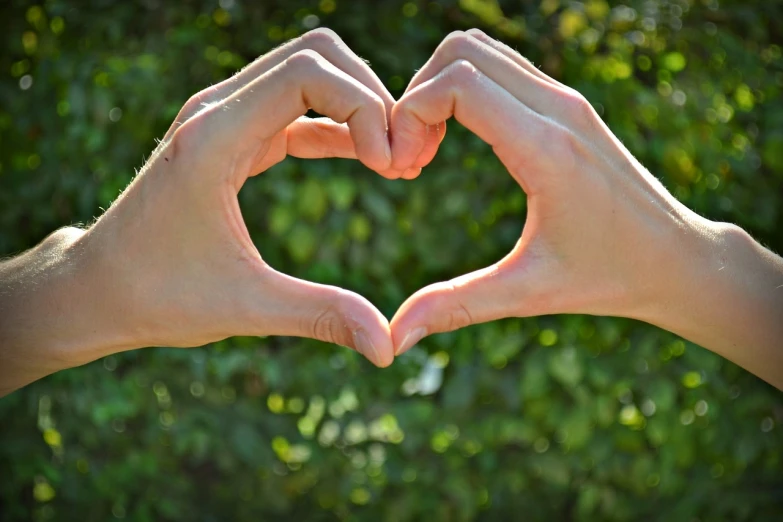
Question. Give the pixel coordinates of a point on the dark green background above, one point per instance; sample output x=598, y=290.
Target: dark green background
x=549, y=418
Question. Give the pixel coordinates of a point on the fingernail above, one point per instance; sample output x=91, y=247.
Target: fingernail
x=365, y=347
x=413, y=337
x=411, y=173
x=388, y=148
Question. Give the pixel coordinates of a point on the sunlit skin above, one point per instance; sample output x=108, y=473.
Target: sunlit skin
x=171, y=262
x=602, y=235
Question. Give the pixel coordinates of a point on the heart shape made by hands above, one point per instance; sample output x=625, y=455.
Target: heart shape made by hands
x=190, y=274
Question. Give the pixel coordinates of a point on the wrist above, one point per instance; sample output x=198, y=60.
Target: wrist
x=687, y=249
x=56, y=309
x=101, y=320
x=722, y=290
x=49, y=317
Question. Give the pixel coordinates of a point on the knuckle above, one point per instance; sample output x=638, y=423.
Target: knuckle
x=453, y=314
x=564, y=145
x=476, y=32
x=577, y=106
x=195, y=104
x=361, y=99
x=191, y=106
x=332, y=324
x=321, y=36
x=188, y=137
x=459, y=317
x=456, y=44
x=325, y=327
x=373, y=100
x=307, y=59
x=461, y=73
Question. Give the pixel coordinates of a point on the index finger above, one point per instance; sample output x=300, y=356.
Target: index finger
x=240, y=126
x=515, y=132
x=322, y=40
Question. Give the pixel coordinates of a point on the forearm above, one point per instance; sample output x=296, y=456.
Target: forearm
x=726, y=295
x=53, y=310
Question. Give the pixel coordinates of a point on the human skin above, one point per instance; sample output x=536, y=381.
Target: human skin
x=171, y=262
x=602, y=235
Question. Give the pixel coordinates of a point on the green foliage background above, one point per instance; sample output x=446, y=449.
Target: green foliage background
x=549, y=418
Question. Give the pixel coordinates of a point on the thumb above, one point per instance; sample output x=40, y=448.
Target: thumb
x=478, y=297
x=325, y=138
x=299, y=308
x=319, y=138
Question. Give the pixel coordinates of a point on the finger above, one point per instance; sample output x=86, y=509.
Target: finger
x=513, y=55
x=540, y=95
x=324, y=138
x=241, y=124
x=434, y=137
x=424, y=149
x=324, y=41
x=411, y=173
x=319, y=138
x=290, y=306
x=568, y=106
x=517, y=134
x=527, y=143
x=478, y=297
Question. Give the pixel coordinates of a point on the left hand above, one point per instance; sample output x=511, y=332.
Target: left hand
x=171, y=262
x=187, y=270
x=600, y=229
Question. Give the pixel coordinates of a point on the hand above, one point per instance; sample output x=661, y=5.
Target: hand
x=593, y=212
x=171, y=262
x=177, y=236
x=602, y=235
